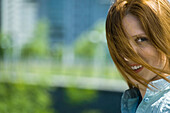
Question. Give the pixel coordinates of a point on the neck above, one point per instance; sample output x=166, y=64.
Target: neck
x=142, y=91
x=142, y=88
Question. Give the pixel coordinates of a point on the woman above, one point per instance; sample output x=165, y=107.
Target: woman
x=138, y=37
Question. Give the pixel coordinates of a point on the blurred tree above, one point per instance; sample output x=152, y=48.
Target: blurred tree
x=86, y=45
x=92, y=111
x=78, y=96
x=57, y=52
x=5, y=46
x=21, y=98
x=38, y=46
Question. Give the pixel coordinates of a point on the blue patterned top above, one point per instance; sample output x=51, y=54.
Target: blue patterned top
x=154, y=101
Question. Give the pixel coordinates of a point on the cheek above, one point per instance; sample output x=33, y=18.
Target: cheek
x=150, y=55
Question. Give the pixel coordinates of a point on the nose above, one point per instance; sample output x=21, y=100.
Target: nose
x=129, y=61
x=125, y=59
x=136, y=50
x=134, y=46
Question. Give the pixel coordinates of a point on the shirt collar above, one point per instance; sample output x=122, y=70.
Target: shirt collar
x=160, y=85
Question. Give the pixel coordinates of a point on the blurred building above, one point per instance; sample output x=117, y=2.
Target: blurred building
x=67, y=18
x=19, y=18
x=0, y=14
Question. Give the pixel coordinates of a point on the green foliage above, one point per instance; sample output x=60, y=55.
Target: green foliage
x=38, y=45
x=88, y=42
x=20, y=98
x=78, y=96
x=57, y=52
x=5, y=45
x=84, y=48
x=92, y=111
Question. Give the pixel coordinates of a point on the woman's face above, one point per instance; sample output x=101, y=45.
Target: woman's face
x=143, y=47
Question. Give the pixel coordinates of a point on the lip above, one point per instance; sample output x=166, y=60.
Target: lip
x=138, y=70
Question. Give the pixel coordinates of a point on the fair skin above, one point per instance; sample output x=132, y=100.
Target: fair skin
x=143, y=47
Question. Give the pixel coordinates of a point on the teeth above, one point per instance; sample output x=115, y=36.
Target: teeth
x=136, y=67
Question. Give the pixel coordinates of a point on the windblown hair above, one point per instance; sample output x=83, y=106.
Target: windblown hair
x=154, y=16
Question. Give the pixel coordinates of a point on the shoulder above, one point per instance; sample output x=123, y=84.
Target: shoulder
x=130, y=93
x=163, y=102
x=130, y=100
x=155, y=102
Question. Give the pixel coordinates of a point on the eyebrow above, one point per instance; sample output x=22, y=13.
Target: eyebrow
x=141, y=34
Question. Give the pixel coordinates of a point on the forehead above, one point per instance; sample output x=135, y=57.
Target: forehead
x=132, y=25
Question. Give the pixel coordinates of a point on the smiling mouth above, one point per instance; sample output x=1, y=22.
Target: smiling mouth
x=137, y=68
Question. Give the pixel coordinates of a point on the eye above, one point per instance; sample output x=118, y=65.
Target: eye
x=141, y=39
